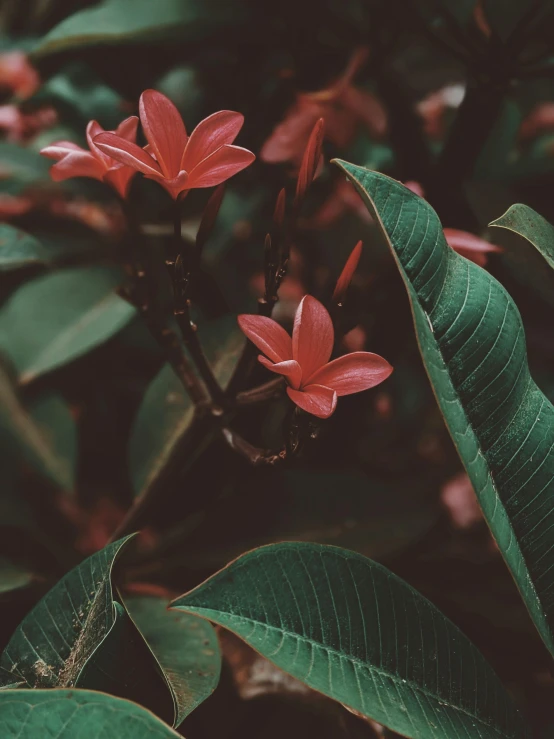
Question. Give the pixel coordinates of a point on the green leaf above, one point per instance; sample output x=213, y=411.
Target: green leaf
x=18, y=249
x=22, y=167
x=13, y=576
x=185, y=647
x=52, y=451
x=68, y=714
x=349, y=628
x=56, y=318
x=472, y=342
x=55, y=641
x=523, y=220
x=139, y=21
x=54, y=421
x=166, y=413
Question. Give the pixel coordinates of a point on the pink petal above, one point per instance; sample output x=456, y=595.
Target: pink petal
x=77, y=164
x=288, y=140
x=289, y=368
x=347, y=273
x=120, y=178
x=127, y=129
x=318, y=400
x=127, y=153
x=164, y=129
x=209, y=135
x=60, y=149
x=365, y=106
x=95, y=129
x=470, y=246
x=267, y=335
x=312, y=336
x=219, y=166
x=353, y=373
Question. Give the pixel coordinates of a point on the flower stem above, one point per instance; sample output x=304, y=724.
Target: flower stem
x=180, y=266
x=142, y=293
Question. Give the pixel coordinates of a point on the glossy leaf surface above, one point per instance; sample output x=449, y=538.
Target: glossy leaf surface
x=472, y=342
x=523, y=220
x=349, y=628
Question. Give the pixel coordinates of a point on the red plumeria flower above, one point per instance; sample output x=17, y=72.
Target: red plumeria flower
x=470, y=246
x=73, y=161
x=179, y=162
x=314, y=382
x=344, y=108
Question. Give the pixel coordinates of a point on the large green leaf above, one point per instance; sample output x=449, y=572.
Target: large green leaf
x=472, y=342
x=48, y=449
x=58, y=317
x=18, y=249
x=166, y=413
x=349, y=628
x=523, y=220
x=57, y=639
x=139, y=21
x=68, y=714
x=185, y=647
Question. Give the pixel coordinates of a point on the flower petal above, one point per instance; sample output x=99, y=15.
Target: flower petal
x=353, y=373
x=318, y=400
x=347, y=272
x=219, y=166
x=127, y=153
x=267, y=335
x=77, y=164
x=120, y=178
x=60, y=149
x=127, y=129
x=95, y=129
x=467, y=243
x=209, y=135
x=310, y=160
x=164, y=129
x=312, y=336
x=289, y=368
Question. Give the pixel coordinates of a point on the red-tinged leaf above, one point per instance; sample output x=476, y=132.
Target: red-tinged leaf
x=353, y=373
x=209, y=217
x=347, y=273
x=268, y=336
x=310, y=161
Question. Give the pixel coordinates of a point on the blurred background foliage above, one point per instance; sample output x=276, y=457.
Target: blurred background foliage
x=88, y=414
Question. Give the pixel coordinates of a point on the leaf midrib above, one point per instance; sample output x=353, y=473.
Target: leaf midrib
x=355, y=660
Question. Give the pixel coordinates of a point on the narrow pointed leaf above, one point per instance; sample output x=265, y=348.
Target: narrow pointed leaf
x=523, y=220
x=58, y=317
x=349, y=628
x=472, y=342
x=68, y=714
x=185, y=647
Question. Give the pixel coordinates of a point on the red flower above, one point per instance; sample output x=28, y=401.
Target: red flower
x=345, y=277
x=314, y=382
x=470, y=246
x=343, y=106
x=177, y=161
x=17, y=75
x=73, y=161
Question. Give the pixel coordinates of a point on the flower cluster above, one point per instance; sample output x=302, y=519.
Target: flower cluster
x=175, y=160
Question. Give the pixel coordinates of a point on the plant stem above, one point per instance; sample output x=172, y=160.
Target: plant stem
x=254, y=455
x=180, y=266
x=142, y=293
